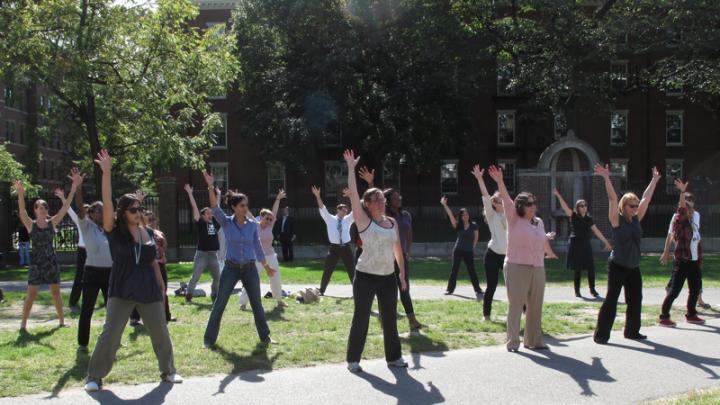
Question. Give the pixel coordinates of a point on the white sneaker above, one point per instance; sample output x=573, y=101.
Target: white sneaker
x=399, y=363
x=354, y=367
x=173, y=378
x=92, y=386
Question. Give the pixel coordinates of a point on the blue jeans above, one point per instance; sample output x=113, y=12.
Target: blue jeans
x=24, y=252
x=247, y=273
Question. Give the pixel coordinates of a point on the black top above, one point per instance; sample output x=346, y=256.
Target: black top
x=23, y=235
x=207, y=236
x=626, y=243
x=465, y=237
x=580, y=227
x=287, y=229
x=133, y=278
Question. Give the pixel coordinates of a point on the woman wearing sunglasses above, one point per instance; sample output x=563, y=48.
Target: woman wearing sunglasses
x=624, y=260
x=243, y=250
x=580, y=254
x=494, y=217
x=135, y=283
x=265, y=222
x=524, y=269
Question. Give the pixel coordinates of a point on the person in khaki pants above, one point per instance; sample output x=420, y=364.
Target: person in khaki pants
x=524, y=268
x=135, y=283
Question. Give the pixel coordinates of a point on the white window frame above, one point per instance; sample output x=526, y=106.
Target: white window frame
x=224, y=166
x=626, y=114
x=456, y=162
x=669, y=180
x=619, y=62
x=514, y=127
x=502, y=163
x=331, y=190
x=272, y=191
x=224, y=120
x=680, y=113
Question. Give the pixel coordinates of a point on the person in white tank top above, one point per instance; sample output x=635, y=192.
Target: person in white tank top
x=375, y=271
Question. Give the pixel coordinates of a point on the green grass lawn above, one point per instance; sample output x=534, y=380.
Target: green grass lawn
x=427, y=271
x=46, y=359
x=699, y=397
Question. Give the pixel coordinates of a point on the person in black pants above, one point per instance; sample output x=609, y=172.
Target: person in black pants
x=688, y=259
x=338, y=231
x=467, y=239
x=580, y=255
x=80, y=258
x=375, y=272
x=285, y=232
x=624, y=260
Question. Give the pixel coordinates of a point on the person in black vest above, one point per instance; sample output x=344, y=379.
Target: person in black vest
x=285, y=232
x=207, y=247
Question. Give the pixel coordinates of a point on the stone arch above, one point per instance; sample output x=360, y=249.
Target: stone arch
x=545, y=162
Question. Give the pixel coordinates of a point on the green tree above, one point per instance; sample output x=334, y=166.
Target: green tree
x=12, y=170
x=128, y=78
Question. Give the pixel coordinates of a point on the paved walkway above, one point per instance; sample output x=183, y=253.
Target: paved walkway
x=651, y=296
x=574, y=370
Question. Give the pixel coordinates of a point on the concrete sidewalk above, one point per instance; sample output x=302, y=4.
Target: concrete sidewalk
x=651, y=296
x=574, y=370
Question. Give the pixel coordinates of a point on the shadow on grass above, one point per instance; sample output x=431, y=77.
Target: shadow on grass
x=579, y=371
x=25, y=338
x=276, y=314
x=406, y=389
x=138, y=331
x=700, y=362
x=78, y=371
x=156, y=396
x=247, y=368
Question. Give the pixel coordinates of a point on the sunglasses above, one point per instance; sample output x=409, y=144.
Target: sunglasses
x=633, y=205
x=135, y=210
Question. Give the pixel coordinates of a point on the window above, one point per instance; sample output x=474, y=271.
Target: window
x=506, y=127
x=674, y=128
x=619, y=168
x=449, y=177
x=618, y=127
x=509, y=172
x=8, y=95
x=673, y=170
x=560, y=125
x=619, y=74
x=275, y=178
x=505, y=72
x=220, y=133
x=335, y=178
x=220, y=172
x=391, y=173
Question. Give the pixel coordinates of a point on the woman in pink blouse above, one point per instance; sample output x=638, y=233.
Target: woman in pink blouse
x=524, y=268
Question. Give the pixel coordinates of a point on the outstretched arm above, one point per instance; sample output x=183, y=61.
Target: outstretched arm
x=361, y=218
x=316, y=192
x=496, y=174
x=210, y=181
x=77, y=179
x=648, y=194
x=193, y=204
x=276, y=206
x=22, y=211
x=604, y=172
x=602, y=238
x=478, y=173
x=448, y=211
x=563, y=204
x=367, y=175
x=105, y=162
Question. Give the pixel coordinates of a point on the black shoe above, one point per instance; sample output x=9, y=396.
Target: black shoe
x=577, y=294
x=594, y=293
x=449, y=292
x=638, y=336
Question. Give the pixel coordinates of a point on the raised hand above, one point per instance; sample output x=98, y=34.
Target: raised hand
x=315, y=191
x=346, y=192
x=680, y=185
x=478, y=172
x=217, y=191
x=602, y=171
x=209, y=178
x=367, y=175
x=140, y=195
x=443, y=201
x=350, y=159
x=104, y=161
x=59, y=193
x=550, y=235
x=495, y=173
x=556, y=193
x=655, y=173
x=281, y=194
x=76, y=177
x=19, y=188
x=188, y=189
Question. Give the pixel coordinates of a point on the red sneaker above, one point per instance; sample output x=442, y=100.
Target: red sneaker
x=666, y=323
x=694, y=319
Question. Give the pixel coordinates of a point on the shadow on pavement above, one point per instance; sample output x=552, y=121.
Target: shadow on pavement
x=156, y=396
x=421, y=345
x=579, y=371
x=561, y=342
x=248, y=368
x=406, y=389
x=701, y=362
